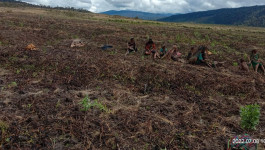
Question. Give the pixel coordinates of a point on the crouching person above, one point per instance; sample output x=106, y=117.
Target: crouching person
x=243, y=65
x=150, y=48
x=202, y=57
x=131, y=46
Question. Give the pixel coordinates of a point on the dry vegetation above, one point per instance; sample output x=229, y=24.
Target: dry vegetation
x=150, y=104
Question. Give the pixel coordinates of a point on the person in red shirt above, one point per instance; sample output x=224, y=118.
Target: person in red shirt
x=150, y=48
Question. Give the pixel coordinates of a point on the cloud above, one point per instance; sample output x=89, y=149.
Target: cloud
x=156, y=6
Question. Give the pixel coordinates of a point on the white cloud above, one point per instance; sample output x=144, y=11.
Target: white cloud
x=157, y=6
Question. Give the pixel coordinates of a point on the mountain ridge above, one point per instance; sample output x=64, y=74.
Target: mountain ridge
x=137, y=14
x=245, y=16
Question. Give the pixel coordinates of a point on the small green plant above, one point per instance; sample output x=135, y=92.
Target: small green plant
x=3, y=127
x=245, y=56
x=214, y=51
x=75, y=36
x=197, y=34
x=87, y=104
x=21, y=24
x=250, y=115
x=112, y=52
x=192, y=89
x=213, y=44
x=35, y=74
x=235, y=64
x=178, y=37
x=18, y=71
x=12, y=84
x=58, y=104
x=171, y=41
x=193, y=42
x=29, y=106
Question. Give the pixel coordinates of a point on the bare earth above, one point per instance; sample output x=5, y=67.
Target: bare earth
x=151, y=104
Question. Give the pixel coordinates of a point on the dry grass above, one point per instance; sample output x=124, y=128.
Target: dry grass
x=153, y=104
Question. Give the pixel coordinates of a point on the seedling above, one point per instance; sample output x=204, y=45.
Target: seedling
x=12, y=84
x=235, y=64
x=58, y=104
x=18, y=71
x=3, y=127
x=87, y=104
x=250, y=115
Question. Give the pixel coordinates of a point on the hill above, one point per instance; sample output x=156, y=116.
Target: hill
x=246, y=16
x=58, y=97
x=139, y=14
x=19, y=3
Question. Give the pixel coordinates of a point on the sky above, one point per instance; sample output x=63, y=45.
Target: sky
x=153, y=6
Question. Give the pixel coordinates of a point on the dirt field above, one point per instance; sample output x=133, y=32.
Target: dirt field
x=147, y=104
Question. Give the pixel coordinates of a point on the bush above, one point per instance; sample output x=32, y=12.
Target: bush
x=250, y=115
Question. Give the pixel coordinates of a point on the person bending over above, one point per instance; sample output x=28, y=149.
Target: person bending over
x=202, y=57
x=150, y=47
x=131, y=46
x=243, y=65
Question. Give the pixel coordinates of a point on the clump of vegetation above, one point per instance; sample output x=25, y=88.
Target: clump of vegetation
x=12, y=84
x=87, y=104
x=250, y=115
x=3, y=127
x=235, y=64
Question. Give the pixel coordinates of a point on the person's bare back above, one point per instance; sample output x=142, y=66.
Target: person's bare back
x=244, y=65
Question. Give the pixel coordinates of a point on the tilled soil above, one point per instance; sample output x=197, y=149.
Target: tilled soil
x=151, y=104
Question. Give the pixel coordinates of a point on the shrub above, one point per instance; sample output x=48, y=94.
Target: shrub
x=250, y=115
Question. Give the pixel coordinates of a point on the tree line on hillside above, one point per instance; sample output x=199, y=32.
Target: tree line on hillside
x=14, y=3
x=246, y=16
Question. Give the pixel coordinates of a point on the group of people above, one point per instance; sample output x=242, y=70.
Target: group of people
x=195, y=56
x=150, y=49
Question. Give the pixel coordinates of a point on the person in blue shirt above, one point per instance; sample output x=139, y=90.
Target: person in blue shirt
x=202, y=56
x=163, y=51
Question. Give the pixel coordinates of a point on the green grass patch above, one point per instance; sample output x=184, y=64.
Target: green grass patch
x=87, y=104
